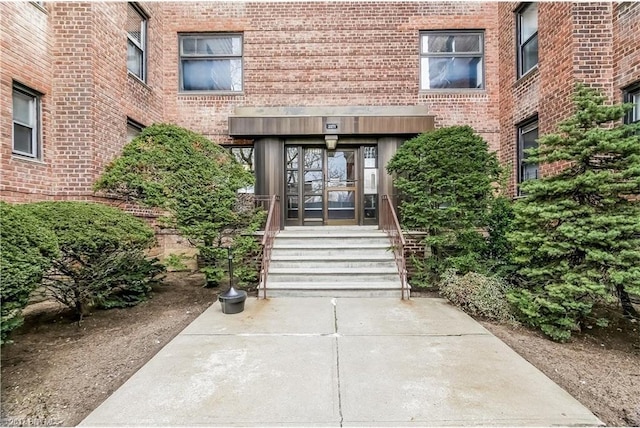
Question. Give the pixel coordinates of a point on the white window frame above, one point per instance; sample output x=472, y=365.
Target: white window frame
x=524, y=128
x=632, y=95
x=33, y=122
x=195, y=57
x=425, y=55
x=138, y=45
x=523, y=43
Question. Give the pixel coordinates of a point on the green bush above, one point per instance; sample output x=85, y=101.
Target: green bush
x=444, y=179
x=27, y=249
x=196, y=182
x=102, y=261
x=478, y=295
x=498, y=254
x=576, y=234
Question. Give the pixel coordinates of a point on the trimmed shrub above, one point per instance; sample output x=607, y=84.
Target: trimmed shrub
x=102, y=261
x=478, y=295
x=27, y=249
x=444, y=179
x=196, y=182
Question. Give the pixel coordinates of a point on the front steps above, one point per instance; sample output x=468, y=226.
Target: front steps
x=332, y=261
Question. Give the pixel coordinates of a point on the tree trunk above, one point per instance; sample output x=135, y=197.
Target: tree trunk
x=627, y=307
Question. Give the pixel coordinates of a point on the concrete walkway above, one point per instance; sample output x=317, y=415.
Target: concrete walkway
x=338, y=362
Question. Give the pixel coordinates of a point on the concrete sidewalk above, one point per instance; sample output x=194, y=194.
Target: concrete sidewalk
x=338, y=362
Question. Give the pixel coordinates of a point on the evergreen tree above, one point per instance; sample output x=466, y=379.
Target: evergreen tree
x=445, y=182
x=576, y=233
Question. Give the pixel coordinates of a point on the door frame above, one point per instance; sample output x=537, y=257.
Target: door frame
x=354, y=187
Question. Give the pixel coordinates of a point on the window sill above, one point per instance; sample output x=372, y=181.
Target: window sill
x=210, y=93
x=19, y=157
x=453, y=91
x=39, y=6
x=139, y=80
x=526, y=76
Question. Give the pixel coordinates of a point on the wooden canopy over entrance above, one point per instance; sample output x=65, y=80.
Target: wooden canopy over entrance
x=356, y=120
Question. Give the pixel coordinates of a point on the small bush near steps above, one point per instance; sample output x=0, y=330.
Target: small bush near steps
x=478, y=295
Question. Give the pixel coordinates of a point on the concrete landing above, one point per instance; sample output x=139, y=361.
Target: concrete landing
x=338, y=362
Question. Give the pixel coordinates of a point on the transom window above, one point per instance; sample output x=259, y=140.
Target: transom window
x=211, y=62
x=26, y=122
x=527, y=21
x=136, y=41
x=632, y=95
x=451, y=59
x=527, y=139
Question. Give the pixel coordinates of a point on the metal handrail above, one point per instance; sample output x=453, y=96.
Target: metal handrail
x=390, y=224
x=271, y=229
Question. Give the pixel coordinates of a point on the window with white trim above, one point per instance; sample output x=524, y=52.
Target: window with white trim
x=26, y=122
x=632, y=95
x=451, y=59
x=136, y=41
x=211, y=62
x=527, y=23
x=527, y=139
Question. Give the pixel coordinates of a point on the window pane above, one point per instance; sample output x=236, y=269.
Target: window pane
x=292, y=207
x=528, y=22
x=244, y=155
x=530, y=54
x=204, y=46
x=635, y=99
x=292, y=157
x=134, y=59
x=292, y=182
x=312, y=159
x=313, y=182
x=451, y=43
x=313, y=207
x=134, y=25
x=22, y=139
x=212, y=75
x=370, y=206
x=453, y=72
x=23, y=108
x=132, y=132
x=529, y=139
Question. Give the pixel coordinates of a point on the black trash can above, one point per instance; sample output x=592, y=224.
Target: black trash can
x=232, y=301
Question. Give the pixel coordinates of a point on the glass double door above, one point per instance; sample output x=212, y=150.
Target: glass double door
x=322, y=185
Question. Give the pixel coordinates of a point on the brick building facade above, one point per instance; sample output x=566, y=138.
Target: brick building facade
x=85, y=75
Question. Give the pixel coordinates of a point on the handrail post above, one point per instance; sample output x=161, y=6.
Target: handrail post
x=271, y=229
x=390, y=224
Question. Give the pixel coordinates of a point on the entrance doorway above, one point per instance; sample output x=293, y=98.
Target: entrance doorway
x=330, y=187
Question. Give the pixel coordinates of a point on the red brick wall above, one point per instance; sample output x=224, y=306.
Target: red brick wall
x=626, y=55
x=331, y=53
x=576, y=44
x=75, y=54
x=26, y=45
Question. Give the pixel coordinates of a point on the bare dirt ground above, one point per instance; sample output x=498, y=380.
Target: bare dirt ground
x=56, y=373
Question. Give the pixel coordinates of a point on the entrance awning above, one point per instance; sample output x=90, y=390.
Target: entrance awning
x=327, y=120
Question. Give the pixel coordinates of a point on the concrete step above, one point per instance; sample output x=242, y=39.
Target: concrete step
x=330, y=252
x=362, y=278
x=319, y=263
x=331, y=241
x=333, y=289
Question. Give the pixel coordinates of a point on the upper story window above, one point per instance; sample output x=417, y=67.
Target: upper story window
x=136, y=41
x=527, y=139
x=211, y=62
x=527, y=23
x=632, y=95
x=26, y=122
x=451, y=59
